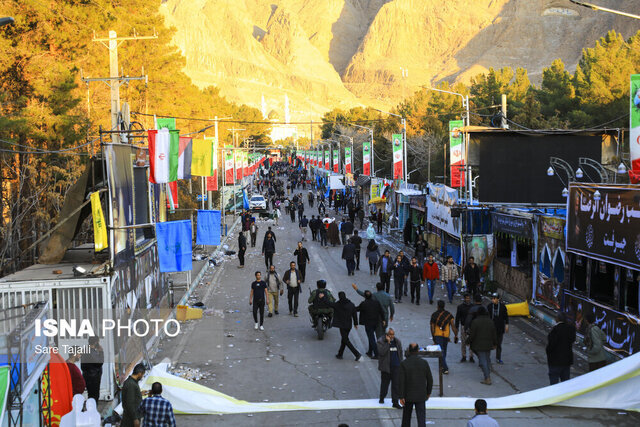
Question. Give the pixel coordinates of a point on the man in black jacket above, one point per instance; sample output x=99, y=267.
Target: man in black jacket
x=91, y=366
x=384, y=266
x=416, y=383
x=346, y=229
x=242, y=248
x=405, y=265
x=371, y=315
x=389, y=359
x=349, y=254
x=357, y=242
x=292, y=278
x=399, y=276
x=268, y=249
x=498, y=313
x=472, y=276
x=344, y=315
x=313, y=225
x=415, y=280
x=303, y=258
x=560, y=349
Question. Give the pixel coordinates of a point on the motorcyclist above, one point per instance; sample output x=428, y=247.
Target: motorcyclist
x=323, y=303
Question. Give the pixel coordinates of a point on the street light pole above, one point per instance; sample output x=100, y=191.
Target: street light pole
x=604, y=9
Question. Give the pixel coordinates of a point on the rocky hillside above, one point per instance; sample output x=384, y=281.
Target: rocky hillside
x=340, y=53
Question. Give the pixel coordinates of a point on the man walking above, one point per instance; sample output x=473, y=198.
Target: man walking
x=156, y=410
x=348, y=254
x=461, y=317
x=415, y=280
x=560, y=349
x=322, y=230
x=430, y=273
x=420, y=249
x=415, y=385
x=242, y=248
x=344, y=316
x=132, y=398
x=314, y=227
x=371, y=315
x=91, y=366
x=389, y=359
x=384, y=266
x=472, y=276
x=498, y=313
x=257, y=298
x=385, y=301
x=399, y=276
x=292, y=278
x=441, y=325
x=268, y=249
x=253, y=231
x=357, y=242
x=483, y=339
x=406, y=264
x=302, y=256
x=275, y=290
x=303, y=224
x=449, y=277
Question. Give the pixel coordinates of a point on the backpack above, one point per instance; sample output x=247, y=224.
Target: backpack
x=321, y=302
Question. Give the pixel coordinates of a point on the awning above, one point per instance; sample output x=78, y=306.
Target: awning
x=376, y=200
x=363, y=181
x=409, y=192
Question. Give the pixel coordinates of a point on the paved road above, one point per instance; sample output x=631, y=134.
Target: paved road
x=286, y=362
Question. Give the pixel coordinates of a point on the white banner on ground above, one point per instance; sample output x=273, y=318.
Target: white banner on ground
x=612, y=387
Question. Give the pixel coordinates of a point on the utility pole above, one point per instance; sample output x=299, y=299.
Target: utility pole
x=114, y=79
x=503, y=123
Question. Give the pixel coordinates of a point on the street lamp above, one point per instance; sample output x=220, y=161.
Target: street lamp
x=565, y=192
x=579, y=173
x=404, y=136
x=596, y=195
x=622, y=169
x=550, y=171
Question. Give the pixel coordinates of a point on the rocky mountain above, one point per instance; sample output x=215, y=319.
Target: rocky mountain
x=340, y=53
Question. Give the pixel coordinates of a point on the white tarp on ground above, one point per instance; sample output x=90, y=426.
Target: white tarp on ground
x=612, y=387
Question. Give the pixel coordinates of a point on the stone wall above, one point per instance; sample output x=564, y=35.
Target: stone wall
x=513, y=280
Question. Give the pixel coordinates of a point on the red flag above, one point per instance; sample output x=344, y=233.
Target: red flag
x=173, y=187
x=212, y=181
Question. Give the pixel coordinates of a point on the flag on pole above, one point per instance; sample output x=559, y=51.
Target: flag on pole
x=212, y=181
x=245, y=163
x=184, y=158
x=166, y=122
x=237, y=158
x=100, y=238
x=336, y=161
x=208, y=231
x=172, y=191
x=327, y=157
x=396, y=140
x=228, y=167
x=164, y=147
x=174, y=246
x=455, y=153
x=202, y=163
x=347, y=159
x=366, y=158
x=634, y=130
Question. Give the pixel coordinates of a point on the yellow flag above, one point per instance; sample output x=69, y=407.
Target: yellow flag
x=100, y=238
x=202, y=158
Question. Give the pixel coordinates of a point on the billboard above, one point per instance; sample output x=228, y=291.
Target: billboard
x=513, y=166
x=605, y=225
x=439, y=203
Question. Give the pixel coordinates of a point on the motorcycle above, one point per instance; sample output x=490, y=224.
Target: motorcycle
x=321, y=323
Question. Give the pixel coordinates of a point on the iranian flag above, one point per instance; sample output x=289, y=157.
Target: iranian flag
x=212, y=181
x=327, y=157
x=184, y=158
x=455, y=153
x=237, y=158
x=336, y=161
x=366, y=158
x=228, y=167
x=245, y=163
x=164, y=147
x=172, y=192
x=347, y=160
x=396, y=140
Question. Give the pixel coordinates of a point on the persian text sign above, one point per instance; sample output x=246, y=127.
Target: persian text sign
x=605, y=225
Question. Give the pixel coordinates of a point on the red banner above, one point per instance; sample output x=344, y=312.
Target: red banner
x=366, y=169
x=457, y=175
x=212, y=181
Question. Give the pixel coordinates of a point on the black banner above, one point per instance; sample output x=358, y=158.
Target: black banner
x=605, y=225
x=511, y=225
x=621, y=329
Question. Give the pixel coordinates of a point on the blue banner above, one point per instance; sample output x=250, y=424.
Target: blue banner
x=174, y=245
x=208, y=231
